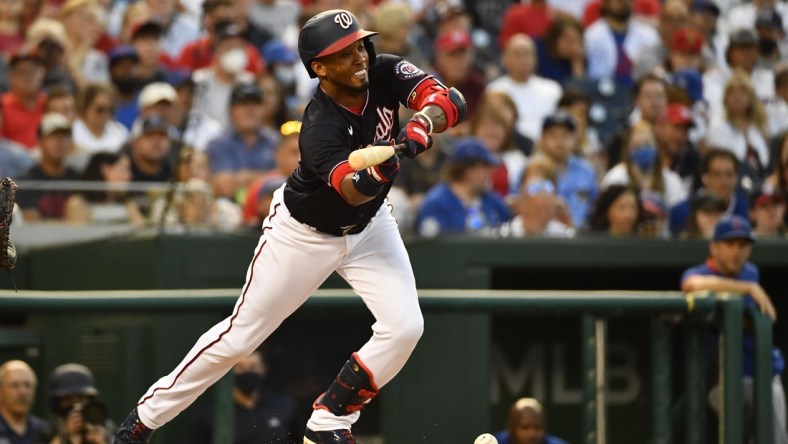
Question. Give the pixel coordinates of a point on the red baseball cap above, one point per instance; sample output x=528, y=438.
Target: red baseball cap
x=678, y=114
x=688, y=40
x=453, y=40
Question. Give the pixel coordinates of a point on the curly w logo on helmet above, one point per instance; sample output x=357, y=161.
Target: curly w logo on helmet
x=343, y=19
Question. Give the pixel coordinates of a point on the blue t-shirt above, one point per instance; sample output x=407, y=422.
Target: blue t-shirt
x=127, y=112
x=229, y=153
x=549, y=67
x=749, y=273
x=680, y=214
x=37, y=431
x=577, y=186
x=503, y=438
x=442, y=212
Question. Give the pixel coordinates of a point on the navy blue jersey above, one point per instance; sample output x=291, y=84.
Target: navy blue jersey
x=329, y=132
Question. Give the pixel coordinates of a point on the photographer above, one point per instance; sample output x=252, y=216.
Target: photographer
x=81, y=417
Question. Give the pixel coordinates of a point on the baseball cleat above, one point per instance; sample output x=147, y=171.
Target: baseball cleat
x=133, y=431
x=328, y=437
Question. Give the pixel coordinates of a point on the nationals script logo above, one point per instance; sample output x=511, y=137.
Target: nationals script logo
x=343, y=19
x=383, y=128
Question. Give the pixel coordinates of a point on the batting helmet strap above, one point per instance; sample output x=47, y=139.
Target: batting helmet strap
x=329, y=32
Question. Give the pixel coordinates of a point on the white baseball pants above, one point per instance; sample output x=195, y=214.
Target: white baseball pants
x=290, y=262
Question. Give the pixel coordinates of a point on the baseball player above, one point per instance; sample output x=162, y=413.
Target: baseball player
x=327, y=217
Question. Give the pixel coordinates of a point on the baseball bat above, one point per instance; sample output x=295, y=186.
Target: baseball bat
x=364, y=158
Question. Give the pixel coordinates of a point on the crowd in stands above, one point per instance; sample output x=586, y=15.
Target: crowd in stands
x=640, y=118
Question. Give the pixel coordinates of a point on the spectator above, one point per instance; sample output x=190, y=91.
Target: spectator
x=110, y=206
x=146, y=40
x=741, y=129
x=673, y=16
x=23, y=104
x=454, y=66
x=80, y=19
x=495, y=130
x=282, y=63
x=685, y=48
x=157, y=98
x=215, y=82
x=462, y=203
x=767, y=211
x=11, y=33
x=503, y=103
x=777, y=107
x=675, y=149
x=719, y=172
x=769, y=26
x=287, y=157
x=526, y=424
x=95, y=130
x=703, y=17
x=778, y=181
x=274, y=15
x=132, y=14
x=275, y=110
x=194, y=128
x=81, y=416
x=727, y=270
x=532, y=19
x=576, y=180
x=744, y=15
x=260, y=413
x=394, y=23
x=122, y=67
x=617, y=212
x=61, y=100
x=643, y=168
x=615, y=41
x=150, y=151
x=48, y=37
x=705, y=211
x=577, y=104
x=417, y=178
x=55, y=144
x=536, y=213
x=17, y=392
x=741, y=54
x=15, y=159
x=246, y=150
x=180, y=28
x=536, y=97
x=219, y=16
x=256, y=35
x=561, y=55
x=192, y=206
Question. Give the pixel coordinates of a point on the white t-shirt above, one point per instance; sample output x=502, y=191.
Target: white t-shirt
x=535, y=99
x=115, y=135
x=723, y=135
x=674, y=190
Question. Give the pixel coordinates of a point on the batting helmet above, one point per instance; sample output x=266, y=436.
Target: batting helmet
x=329, y=32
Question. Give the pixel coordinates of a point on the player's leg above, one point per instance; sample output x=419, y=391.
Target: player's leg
x=289, y=264
x=378, y=269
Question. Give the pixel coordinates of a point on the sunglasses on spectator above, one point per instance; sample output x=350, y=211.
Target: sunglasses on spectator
x=290, y=127
x=539, y=187
x=104, y=109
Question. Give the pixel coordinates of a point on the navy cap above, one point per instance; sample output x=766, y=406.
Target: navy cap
x=733, y=227
x=277, y=52
x=560, y=118
x=768, y=18
x=245, y=93
x=471, y=149
x=705, y=6
x=122, y=52
x=151, y=124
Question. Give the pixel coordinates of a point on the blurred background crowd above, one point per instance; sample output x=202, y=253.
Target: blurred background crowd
x=614, y=117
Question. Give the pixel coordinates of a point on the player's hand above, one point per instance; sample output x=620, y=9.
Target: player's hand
x=760, y=297
x=416, y=137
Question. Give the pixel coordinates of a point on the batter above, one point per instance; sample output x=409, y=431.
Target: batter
x=327, y=217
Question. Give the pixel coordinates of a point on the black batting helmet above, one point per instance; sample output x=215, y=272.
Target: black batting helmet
x=329, y=32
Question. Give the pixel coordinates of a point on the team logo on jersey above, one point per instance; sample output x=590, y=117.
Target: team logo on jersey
x=343, y=19
x=386, y=122
x=406, y=70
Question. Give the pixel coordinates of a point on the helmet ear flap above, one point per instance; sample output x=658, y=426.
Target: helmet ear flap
x=370, y=47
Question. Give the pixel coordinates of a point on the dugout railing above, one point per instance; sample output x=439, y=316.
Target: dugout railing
x=457, y=337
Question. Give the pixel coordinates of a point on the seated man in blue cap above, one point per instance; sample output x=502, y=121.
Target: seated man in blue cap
x=463, y=202
x=728, y=269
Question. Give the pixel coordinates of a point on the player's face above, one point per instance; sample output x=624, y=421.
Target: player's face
x=347, y=69
x=730, y=255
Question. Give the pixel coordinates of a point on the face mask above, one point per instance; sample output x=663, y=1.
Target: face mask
x=248, y=382
x=285, y=75
x=643, y=156
x=234, y=61
x=767, y=46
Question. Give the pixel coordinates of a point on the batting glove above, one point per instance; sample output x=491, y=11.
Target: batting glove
x=416, y=135
x=386, y=171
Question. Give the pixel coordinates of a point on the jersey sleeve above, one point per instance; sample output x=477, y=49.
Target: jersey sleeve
x=694, y=271
x=323, y=149
x=402, y=76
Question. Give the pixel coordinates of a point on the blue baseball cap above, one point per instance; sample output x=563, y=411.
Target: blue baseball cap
x=707, y=6
x=733, y=227
x=469, y=149
x=276, y=52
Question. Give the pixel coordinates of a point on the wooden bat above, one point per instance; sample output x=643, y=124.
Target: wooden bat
x=364, y=158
